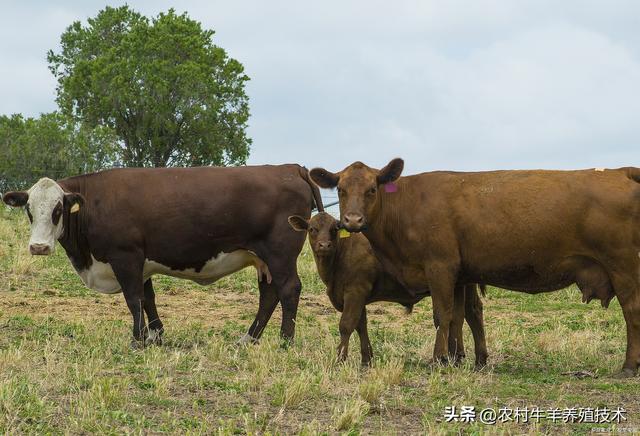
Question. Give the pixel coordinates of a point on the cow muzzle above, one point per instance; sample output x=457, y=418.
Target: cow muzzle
x=324, y=248
x=40, y=249
x=353, y=222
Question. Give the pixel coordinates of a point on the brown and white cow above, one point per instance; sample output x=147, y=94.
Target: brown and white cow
x=355, y=278
x=119, y=227
x=528, y=231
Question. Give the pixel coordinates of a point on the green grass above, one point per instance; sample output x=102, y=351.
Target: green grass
x=66, y=366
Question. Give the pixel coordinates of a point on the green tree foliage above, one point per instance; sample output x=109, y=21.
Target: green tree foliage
x=50, y=146
x=171, y=95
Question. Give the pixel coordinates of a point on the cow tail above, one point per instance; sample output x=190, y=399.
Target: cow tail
x=483, y=289
x=633, y=174
x=317, y=199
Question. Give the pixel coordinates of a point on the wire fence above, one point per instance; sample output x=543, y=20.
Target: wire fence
x=328, y=202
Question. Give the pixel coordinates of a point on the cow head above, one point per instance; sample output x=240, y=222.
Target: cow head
x=323, y=232
x=358, y=190
x=46, y=204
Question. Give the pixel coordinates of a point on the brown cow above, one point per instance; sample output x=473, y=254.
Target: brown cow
x=119, y=227
x=529, y=231
x=355, y=278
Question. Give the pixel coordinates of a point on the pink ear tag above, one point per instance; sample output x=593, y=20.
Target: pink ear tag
x=390, y=187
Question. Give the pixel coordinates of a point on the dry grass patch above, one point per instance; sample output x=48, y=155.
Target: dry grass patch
x=351, y=414
x=66, y=366
x=571, y=343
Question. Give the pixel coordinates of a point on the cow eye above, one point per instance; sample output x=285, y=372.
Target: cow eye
x=312, y=230
x=57, y=212
x=341, y=191
x=372, y=190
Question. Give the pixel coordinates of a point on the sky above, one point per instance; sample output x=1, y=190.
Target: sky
x=457, y=85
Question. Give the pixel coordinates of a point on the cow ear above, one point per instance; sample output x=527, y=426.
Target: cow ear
x=391, y=172
x=324, y=178
x=298, y=223
x=73, y=201
x=16, y=198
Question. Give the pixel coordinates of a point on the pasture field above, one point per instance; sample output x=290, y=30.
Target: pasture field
x=66, y=366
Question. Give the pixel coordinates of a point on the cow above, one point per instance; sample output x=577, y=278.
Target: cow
x=528, y=231
x=354, y=278
x=119, y=227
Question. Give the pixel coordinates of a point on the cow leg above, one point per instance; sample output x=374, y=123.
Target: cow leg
x=442, y=285
x=285, y=287
x=280, y=253
x=155, y=327
x=366, y=351
x=628, y=292
x=455, y=342
x=289, y=296
x=128, y=272
x=473, y=313
x=268, y=303
x=632, y=317
x=349, y=321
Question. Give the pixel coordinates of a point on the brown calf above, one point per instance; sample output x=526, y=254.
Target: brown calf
x=355, y=278
x=529, y=231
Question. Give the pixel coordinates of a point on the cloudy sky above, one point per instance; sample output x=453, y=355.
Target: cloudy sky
x=464, y=85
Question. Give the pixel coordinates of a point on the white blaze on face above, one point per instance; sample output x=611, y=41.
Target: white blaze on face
x=44, y=196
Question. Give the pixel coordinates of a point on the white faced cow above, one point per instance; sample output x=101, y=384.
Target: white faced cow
x=119, y=227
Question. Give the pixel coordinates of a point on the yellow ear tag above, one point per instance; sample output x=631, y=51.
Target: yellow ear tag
x=343, y=233
x=75, y=208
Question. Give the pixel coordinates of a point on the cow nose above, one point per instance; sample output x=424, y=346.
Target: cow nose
x=325, y=245
x=353, y=219
x=39, y=249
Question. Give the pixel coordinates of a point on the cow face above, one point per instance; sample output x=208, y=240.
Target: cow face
x=358, y=190
x=323, y=232
x=45, y=204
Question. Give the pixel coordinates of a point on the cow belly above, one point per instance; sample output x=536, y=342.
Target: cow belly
x=217, y=267
x=101, y=278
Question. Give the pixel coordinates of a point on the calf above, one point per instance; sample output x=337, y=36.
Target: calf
x=529, y=231
x=355, y=278
x=120, y=227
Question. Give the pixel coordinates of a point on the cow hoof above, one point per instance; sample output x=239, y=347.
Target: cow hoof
x=440, y=361
x=341, y=358
x=624, y=374
x=285, y=343
x=154, y=337
x=480, y=363
x=456, y=360
x=137, y=345
x=479, y=366
x=246, y=339
x=342, y=354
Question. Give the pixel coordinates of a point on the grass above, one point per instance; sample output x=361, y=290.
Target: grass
x=66, y=366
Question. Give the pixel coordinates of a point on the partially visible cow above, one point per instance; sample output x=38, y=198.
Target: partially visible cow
x=355, y=278
x=120, y=227
x=529, y=231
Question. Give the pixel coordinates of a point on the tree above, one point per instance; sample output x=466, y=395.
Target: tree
x=50, y=146
x=171, y=95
